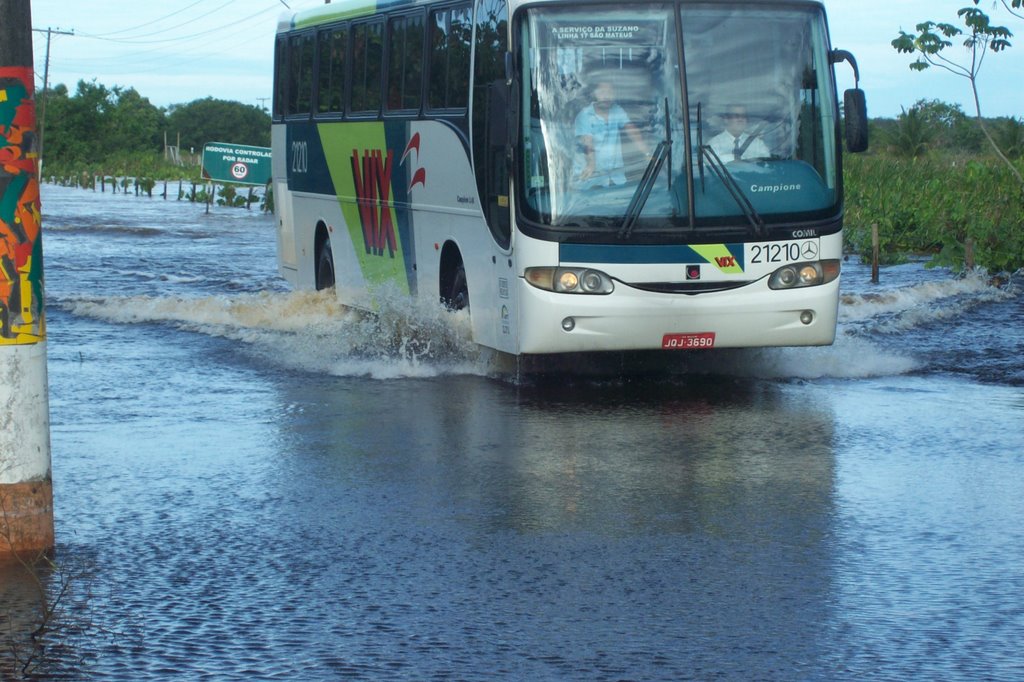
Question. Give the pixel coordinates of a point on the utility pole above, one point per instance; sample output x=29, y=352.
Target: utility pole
x=26, y=488
x=50, y=32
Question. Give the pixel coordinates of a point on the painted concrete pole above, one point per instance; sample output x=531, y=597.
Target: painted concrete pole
x=26, y=490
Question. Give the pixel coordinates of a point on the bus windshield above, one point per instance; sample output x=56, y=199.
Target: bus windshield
x=618, y=137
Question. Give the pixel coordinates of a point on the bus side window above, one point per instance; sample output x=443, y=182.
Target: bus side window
x=300, y=79
x=331, y=62
x=405, y=62
x=280, y=77
x=450, y=44
x=490, y=106
x=367, y=57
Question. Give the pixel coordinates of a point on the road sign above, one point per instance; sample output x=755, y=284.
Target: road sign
x=236, y=163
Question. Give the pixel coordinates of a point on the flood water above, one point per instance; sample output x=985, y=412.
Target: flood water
x=253, y=484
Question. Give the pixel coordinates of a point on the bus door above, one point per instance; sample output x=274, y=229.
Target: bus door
x=491, y=159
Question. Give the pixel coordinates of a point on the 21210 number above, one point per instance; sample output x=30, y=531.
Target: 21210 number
x=779, y=252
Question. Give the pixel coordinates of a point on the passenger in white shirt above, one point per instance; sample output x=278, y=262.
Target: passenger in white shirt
x=736, y=143
x=599, y=128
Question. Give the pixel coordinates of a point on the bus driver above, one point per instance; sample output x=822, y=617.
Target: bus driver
x=736, y=142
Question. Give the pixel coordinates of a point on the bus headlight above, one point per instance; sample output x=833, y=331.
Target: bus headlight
x=796, y=275
x=570, y=280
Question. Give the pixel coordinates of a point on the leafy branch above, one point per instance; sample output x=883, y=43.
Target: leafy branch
x=1014, y=4
x=981, y=36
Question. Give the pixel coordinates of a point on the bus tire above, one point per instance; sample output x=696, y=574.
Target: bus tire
x=458, y=294
x=325, y=266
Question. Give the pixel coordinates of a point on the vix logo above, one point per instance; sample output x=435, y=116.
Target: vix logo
x=372, y=175
x=727, y=259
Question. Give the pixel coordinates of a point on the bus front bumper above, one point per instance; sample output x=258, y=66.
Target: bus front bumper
x=631, y=319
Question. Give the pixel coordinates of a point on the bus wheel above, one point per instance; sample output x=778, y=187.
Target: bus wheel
x=325, y=267
x=458, y=295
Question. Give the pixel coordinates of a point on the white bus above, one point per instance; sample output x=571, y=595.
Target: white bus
x=557, y=167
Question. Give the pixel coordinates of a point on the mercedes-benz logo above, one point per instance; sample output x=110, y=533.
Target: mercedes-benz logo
x=809, y=250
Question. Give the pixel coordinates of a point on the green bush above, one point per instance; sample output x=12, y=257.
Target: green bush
x=137, y=165
x=934, y=205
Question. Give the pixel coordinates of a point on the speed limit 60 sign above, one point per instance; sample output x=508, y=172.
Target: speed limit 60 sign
x=236, y=163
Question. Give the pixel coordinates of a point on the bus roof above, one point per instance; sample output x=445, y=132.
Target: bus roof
x=336, y=11
x=349, y=9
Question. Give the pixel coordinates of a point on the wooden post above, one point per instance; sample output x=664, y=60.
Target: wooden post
x=26, y=488
x=969, y=254
x=874, y=253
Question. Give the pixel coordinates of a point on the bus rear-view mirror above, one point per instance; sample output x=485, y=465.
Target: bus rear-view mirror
x=856, y=113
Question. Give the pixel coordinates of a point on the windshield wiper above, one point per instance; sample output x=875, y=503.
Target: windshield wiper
x=719, y=169
x=700, y=145
x=643, y=191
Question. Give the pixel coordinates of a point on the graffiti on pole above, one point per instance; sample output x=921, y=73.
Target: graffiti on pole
x=21, y=266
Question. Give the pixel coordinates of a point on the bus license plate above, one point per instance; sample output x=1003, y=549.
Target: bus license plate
x=688, y=341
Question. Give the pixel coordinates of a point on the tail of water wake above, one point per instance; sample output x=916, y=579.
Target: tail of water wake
x=311, y=331
x=900, y=310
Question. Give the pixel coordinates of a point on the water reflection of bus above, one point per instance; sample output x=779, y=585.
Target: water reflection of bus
x=437, y=147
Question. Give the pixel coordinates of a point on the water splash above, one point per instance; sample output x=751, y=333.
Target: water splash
x=848, y=358
x=311, y=331
x=899, y=310
x=407, y=338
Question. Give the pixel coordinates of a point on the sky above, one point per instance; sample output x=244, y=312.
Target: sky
x=177, y=51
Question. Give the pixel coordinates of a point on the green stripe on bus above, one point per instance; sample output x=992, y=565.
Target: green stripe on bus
x=328, y=13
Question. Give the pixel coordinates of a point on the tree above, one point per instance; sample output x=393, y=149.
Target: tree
x=134, y=124
x=97, y=122
x=952, y=128
x=74, y=125
x=103, y=126
x=215, y=120
x=933, y=38
x=913, y=134
x=1009, y=132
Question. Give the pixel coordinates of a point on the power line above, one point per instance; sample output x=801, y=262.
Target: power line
x=165, y=52
x=150, y=23
x=50, y=32
x=139, y=38
x=155, y=58
x=179, y=38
